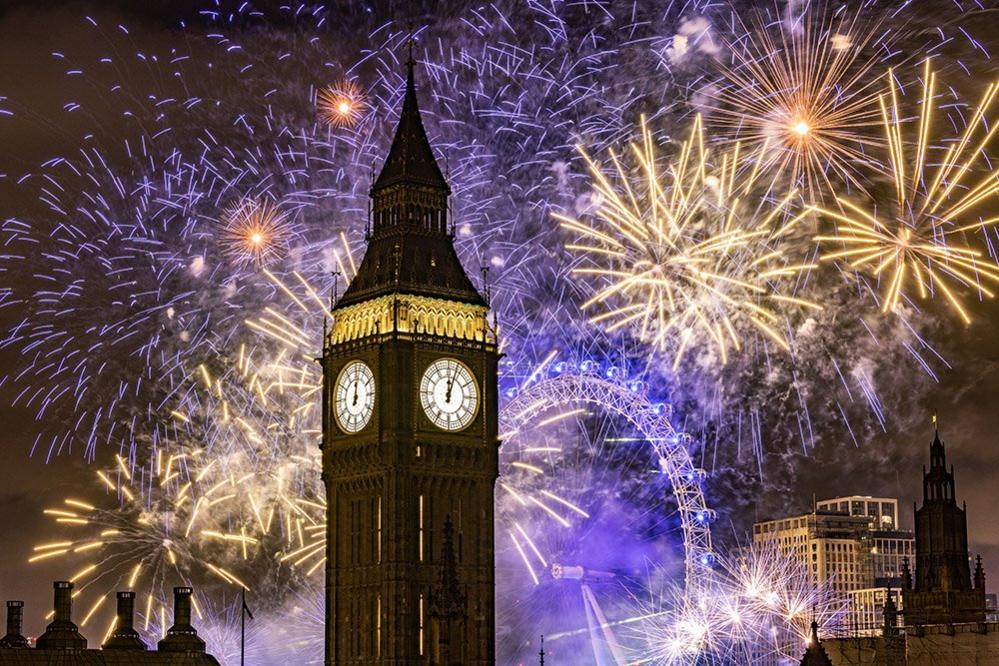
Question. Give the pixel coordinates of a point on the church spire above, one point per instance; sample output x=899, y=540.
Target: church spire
x=938, y=483
x=938, y=457
x=815, y=654
x=942, y=591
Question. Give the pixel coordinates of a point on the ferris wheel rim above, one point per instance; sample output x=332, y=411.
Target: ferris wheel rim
x=652, y=421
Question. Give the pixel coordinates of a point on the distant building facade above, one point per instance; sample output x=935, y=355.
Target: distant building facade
x=882, y=511
x=834, y=546
x=62, y=642
x=889, y=544
x=890, y=549
x=852, y=545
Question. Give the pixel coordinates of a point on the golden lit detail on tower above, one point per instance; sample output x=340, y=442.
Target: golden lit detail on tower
x=415, y=315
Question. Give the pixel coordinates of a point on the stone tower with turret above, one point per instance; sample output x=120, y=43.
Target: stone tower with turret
x=942, y=592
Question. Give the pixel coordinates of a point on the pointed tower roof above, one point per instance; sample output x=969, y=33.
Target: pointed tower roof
x=815, y=654
x=410, y=249
x=938, y=483
x=410, y=159
x=938, y=455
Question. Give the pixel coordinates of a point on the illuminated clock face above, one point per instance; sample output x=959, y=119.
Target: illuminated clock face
x=449, y=394
x=354, y=397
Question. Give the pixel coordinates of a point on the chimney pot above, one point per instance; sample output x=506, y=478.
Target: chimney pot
x=126, y=607
x=182, y=605
x=62, y=634
x=15, y=615
x=181, y=637
x=124, y=636
x=63, y=605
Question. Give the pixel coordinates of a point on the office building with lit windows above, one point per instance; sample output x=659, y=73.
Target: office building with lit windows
x=836, y=547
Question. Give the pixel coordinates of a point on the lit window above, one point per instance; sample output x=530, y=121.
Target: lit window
x=378, y=527
x=421, y=558
x=421, y=625
x=378, y=626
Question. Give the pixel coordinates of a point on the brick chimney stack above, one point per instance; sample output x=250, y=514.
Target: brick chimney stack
x=181, y=637
x=15, y=614
x=125, y=637
x=62, y=634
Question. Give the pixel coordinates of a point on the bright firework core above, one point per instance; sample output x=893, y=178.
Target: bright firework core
x=341, y=104
x=255, y=231
x=801, y=128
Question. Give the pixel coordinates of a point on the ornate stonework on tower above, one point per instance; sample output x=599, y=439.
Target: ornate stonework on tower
x=410, y=444
x=942, y=592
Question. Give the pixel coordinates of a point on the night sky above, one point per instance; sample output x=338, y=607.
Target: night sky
x=880, y=463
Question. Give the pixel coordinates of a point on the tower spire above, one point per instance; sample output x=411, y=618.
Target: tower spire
x=410, y=250
x=942, y=591
x=410, y=471
x=938, y=454
x=411, y=159
x=815, y=654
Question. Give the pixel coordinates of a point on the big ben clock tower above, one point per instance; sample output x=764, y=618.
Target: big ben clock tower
x=410, y=446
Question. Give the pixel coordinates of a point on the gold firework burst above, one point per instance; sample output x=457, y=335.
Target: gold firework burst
x=679, y=255
x=800, y=91
x=254, y=231
x=341, y=104
x=153, y=535
x=926, y=239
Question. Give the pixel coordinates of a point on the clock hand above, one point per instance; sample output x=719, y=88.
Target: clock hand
x=450, y=385
x=355, y=395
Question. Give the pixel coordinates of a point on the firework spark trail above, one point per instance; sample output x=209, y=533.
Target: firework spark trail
x=200, y=138
x=298, y=626
x=678, y=252
x=193, y=156
x=926, y=242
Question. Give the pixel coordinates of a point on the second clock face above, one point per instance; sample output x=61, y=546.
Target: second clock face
x=449, y=394
x=354, y=396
